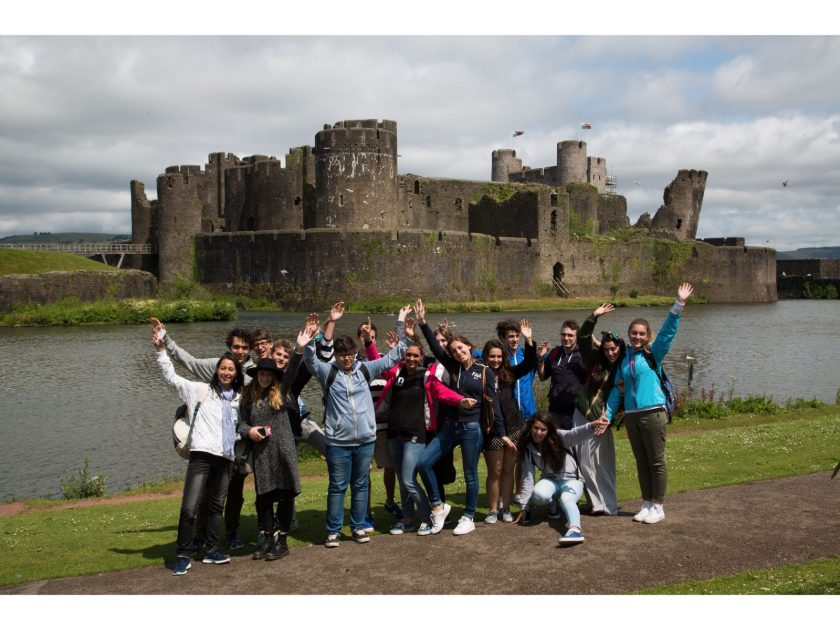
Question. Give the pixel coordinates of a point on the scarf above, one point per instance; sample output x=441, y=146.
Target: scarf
x=228, y=423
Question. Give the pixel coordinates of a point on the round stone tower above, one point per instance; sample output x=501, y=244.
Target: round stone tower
x=179, y=220
x=356, y=184
x=571, y=162
x=505, y=162
x=683, y=200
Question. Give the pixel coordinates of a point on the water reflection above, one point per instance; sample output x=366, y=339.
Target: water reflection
x=97, y=390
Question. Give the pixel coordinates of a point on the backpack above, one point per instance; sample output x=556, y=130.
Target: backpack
x=664, y=383
x=331, y=379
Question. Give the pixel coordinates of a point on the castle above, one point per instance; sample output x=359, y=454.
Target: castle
x=338, y=220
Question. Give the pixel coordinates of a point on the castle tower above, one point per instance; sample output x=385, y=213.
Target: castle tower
x=179, y=220
x=683, y=199
x=143, y=224
x=300, y=187
x=356, y=175
x=213, y=193
x=596, y=173
x=504, y=162
x=571, y=162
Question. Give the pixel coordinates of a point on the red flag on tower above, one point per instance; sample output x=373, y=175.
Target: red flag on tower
x=585, y=125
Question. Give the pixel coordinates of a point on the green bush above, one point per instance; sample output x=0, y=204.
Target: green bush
x=634, y=293
x=753, y=404
x=801, y=403
x=82, y=485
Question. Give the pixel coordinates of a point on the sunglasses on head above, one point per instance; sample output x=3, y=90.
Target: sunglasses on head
x=607, y=335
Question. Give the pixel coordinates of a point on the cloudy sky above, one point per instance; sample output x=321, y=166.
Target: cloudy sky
x=82, y=115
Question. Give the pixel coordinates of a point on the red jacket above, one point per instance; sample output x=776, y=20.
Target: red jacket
x=435, y=391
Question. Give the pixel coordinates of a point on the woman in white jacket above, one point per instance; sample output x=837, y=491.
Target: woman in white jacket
x=214, y=413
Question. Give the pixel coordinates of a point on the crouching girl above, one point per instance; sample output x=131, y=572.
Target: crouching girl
x=547, y=447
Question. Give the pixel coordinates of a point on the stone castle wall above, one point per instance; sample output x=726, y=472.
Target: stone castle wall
x=315, y=267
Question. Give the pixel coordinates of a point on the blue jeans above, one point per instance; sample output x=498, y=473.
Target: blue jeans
x=569, y=490
x=348, y=465
x=470, y=437
x=404, y=457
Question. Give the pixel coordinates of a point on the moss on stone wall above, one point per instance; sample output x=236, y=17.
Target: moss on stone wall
x=668, y=259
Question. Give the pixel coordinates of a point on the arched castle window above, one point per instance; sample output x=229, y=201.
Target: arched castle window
x=554, y=199
x=459, y=204
x=553, y=226
x=428, y=201
x=416, y=187
x=679, y=223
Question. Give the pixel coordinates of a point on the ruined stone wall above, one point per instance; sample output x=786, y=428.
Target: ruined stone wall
x=583, y=209
x=516, y=216
x=316, y=267
x=612, y=213
x=427, y=203
x=723, y=274
x=680, y=212
x=143, y=226
x=44, y=288
x=546, y=175
x=356, y=175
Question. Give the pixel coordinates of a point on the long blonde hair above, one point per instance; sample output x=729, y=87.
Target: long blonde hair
x=253, y=394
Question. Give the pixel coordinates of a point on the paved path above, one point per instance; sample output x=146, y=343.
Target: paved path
x=706, y=533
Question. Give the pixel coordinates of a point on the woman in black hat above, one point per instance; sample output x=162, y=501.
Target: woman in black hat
x=264, y=419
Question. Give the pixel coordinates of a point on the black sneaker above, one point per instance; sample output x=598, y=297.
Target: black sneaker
x=235, y=542
x=360, y=536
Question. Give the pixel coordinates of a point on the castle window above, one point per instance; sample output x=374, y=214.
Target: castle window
x=679, y=223
x=416, y=187
x=297, y=201
x=340, y=200
x=428, y=201
x=459, y=204
x=554, y=199
x=553, y=226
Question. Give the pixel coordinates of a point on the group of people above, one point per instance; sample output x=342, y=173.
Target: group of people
x=409, y=411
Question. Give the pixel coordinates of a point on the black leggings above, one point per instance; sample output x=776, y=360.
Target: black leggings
x=285, y=500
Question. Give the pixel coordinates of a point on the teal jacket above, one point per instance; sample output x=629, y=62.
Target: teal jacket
x=642, y=390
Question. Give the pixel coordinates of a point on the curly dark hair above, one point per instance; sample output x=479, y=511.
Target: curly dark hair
x=508, y=324
x=243, y=334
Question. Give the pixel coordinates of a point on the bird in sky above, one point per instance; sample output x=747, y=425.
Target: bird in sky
x=785, y=183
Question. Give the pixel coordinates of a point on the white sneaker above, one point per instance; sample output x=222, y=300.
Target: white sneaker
x=643, y=513
x=491, y=518
x=465, y=526
x=656, y=514
x=439, y=518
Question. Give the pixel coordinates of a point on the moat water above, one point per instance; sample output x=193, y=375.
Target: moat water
x=96, y=391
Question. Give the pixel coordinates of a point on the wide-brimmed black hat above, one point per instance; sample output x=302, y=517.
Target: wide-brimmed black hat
x=265, y=364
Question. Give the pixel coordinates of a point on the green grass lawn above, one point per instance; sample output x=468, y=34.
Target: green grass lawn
x=28, y=261
x=735, y=449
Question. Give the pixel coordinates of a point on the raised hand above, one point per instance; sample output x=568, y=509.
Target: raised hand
x=404, y=311
x=420, y=311
x=337, y=311
x=313, y=321
x=409, y=328
x=304, y=337
x=603, y=309
x=542, y=350
x=365, y=332
x=391, y=339
x=157, y=343
x=684, y=291
x=444, y=325
x=525, y=326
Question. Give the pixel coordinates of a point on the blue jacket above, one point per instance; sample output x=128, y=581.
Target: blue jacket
x=642, y=390
x=349, y=417
x=523, y=390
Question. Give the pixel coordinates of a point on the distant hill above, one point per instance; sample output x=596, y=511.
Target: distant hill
x=65, y=238
x=810, y=252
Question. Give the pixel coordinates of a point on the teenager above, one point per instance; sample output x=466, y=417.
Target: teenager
x=645, y=415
